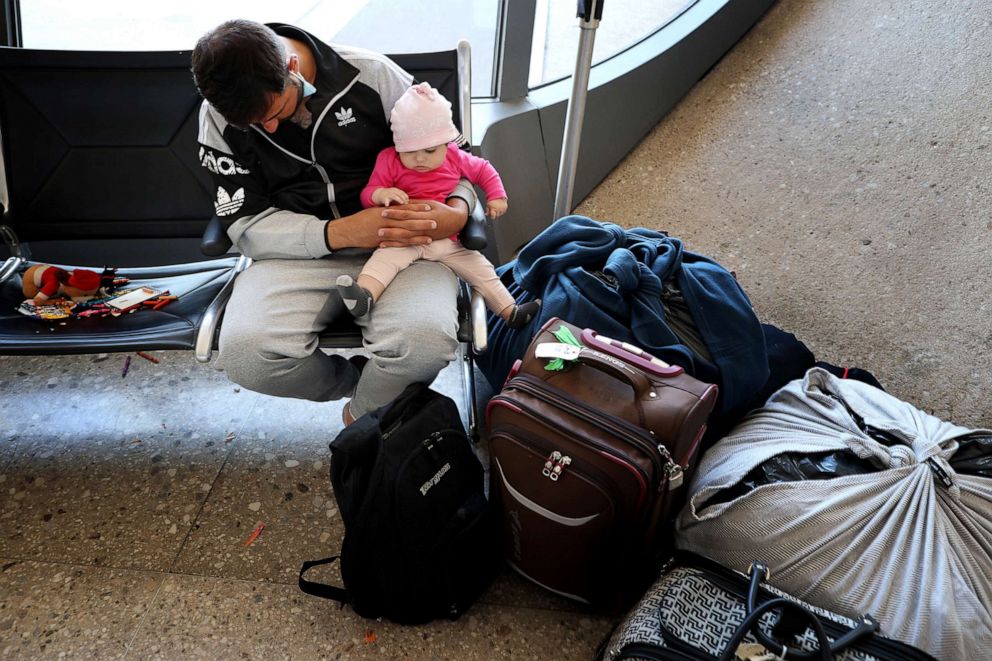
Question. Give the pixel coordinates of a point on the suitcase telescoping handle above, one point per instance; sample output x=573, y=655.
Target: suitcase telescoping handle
x=629, y=354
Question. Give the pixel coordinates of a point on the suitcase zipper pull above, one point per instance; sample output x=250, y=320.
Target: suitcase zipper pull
x=551, y=461
x=673, y=471
x=559, y=467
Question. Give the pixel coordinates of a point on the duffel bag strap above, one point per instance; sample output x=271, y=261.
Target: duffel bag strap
x=320, y=589
x=759, y=573
x=750, y=624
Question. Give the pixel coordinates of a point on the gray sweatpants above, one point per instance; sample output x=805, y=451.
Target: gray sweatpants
x=269, y=335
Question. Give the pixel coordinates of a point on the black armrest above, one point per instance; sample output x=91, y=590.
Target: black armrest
x=215, y=240
x=473, y=235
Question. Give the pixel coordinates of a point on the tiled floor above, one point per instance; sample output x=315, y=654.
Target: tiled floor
x=125, y=504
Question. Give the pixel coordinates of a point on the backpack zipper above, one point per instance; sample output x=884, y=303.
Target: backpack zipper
x=392, y=429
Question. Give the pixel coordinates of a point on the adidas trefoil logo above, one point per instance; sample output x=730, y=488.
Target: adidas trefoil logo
x=229, y=204
x=345, y=116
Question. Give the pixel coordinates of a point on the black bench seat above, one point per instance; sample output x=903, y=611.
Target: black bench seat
x=99, y=167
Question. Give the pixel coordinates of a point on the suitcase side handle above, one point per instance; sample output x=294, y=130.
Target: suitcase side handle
x=629, y=354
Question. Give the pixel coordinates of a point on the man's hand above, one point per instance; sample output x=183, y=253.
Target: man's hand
x=365, y=229
x=387, y=196
x=403, y=226
x=410, y=224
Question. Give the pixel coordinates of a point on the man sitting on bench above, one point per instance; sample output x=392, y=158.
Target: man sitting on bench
x=290, y=130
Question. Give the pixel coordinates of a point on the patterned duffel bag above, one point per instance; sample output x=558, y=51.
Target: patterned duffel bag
x=699, y=610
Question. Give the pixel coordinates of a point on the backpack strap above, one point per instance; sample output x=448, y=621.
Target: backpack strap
x=321, y=589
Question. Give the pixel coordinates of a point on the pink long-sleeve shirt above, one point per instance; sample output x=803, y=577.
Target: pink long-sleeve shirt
x=436, y=184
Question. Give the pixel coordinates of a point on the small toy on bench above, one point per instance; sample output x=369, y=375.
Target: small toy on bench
x=52, y=292
x=44, y=281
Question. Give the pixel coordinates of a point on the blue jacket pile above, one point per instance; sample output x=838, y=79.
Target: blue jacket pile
x=605, y=277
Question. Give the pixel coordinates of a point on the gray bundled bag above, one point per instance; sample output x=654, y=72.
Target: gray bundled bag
x=859, y=503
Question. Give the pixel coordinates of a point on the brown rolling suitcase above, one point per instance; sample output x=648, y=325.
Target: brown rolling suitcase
x=587, y=460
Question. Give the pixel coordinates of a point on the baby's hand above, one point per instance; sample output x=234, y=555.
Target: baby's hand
x=386, y=196
x=496, y=208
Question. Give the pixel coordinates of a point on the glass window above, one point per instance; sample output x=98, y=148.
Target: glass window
x=625, y=22
x=394, y=26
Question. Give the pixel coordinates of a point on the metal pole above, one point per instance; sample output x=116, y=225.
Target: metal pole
x=10, y=23
x=589, y=14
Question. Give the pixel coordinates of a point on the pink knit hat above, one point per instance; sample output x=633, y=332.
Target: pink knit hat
x=422, y=119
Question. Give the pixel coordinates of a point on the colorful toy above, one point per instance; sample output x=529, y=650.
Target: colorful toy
x=44, y=281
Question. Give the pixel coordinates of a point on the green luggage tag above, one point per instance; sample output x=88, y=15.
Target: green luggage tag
x=567, y=350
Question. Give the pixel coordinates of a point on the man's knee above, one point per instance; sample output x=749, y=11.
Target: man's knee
x=424, y=341
x=409, y=336
x=419, y=350
x=248, y=359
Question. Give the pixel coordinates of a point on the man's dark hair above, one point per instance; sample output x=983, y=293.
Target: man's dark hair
x=237, y=67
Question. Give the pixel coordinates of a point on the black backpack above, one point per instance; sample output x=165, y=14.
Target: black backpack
x=420, y=537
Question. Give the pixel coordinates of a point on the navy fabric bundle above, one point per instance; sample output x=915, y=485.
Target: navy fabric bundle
x=605, y=277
